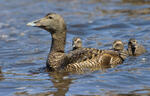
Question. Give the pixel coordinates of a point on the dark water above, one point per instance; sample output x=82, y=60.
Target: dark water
x=23, y=50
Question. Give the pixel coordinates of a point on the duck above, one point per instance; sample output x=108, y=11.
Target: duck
x=134, y=48
x=118, y=46
x=76, y=60
x=76, y=43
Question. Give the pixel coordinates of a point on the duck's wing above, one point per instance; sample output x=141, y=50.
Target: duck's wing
x=97, y=63
x=91, y=58
x=82, y=54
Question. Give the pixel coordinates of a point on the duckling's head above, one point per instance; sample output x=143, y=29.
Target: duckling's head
x=76, y=43
x=118, y=45
x=132, y=42
x=52, y=22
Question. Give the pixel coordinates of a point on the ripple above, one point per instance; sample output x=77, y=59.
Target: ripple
x=23, y=50
x=3, y=25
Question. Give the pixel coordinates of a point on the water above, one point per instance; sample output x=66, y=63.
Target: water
x=23, y=49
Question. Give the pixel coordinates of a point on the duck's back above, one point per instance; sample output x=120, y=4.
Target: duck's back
x=92, y=59
x=137, y=51
x=134, y=48
x=140, y=50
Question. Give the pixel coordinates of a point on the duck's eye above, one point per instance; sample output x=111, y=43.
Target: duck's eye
x=130, y=43
x=50, y=17
x=134, y=41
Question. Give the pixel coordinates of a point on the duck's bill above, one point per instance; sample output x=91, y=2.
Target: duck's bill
x=33, y=23
x=73, y=46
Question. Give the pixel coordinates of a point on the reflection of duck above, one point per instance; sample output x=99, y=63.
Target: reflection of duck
x=76, y=43
x=59, y=85
x=84, y=58
x=135, y=49
x=61, y=82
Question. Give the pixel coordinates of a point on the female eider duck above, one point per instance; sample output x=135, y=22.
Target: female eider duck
x=79, y=59
x=135, y=49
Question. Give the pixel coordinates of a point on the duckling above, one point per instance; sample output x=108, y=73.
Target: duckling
x=76, y=60
x=118, y=46
x=135, y=49
x=76, y=43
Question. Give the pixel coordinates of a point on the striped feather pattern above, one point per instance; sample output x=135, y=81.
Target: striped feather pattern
x=84, y=59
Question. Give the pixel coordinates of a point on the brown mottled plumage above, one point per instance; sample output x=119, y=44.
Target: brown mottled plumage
x=77, y=60
x=135, y=49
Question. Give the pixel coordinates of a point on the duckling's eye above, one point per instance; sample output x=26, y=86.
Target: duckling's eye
x=129, y=42
x=134, y=41
x=50, y=17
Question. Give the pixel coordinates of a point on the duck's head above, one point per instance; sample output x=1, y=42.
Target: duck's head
x=132, y=43
x=118, y=45
x=76, y=43
x=52, y=22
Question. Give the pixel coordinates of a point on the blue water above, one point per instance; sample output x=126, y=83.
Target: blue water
x=23, y=49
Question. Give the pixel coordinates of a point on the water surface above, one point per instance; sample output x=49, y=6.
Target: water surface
x=23, y=49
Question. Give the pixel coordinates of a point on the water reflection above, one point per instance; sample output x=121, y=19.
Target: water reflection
x=61, y=82
x=94, y=21
x=60, y=85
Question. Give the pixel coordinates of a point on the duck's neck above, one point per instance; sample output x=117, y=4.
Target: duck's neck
x=131, y=50
x=58, y=41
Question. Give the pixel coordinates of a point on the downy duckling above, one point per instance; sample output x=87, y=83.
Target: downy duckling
x=135, y=49
x=76, y=43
